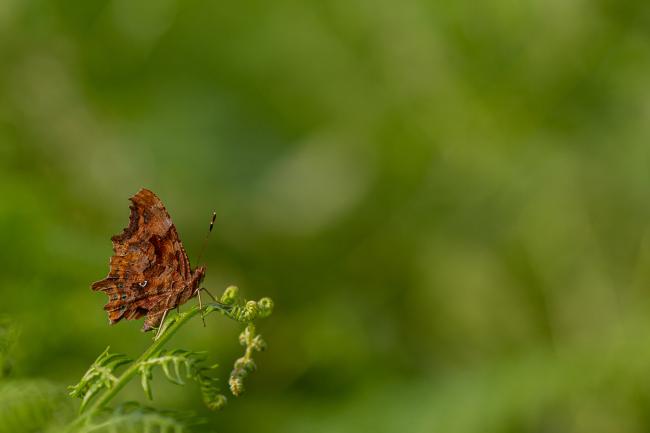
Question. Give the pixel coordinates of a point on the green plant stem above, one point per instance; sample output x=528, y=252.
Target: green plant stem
x=178, y=321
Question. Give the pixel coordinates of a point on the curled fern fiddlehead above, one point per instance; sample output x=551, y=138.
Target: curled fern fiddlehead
x=245, y=365
x=244, y=312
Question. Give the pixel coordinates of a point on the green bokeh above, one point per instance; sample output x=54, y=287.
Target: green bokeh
x=448, y=201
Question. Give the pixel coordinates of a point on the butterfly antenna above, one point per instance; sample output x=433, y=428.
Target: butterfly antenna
x=207, y=236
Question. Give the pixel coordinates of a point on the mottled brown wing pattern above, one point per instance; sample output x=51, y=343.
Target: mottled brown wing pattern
x=149, y=271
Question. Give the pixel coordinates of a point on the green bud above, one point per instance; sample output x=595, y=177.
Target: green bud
x=250, y=311
x=258, y=343
x=236, y=385
x=217, y=403
x=230, y=295
x=249, y=365
x=265, y=306
x=240, y=364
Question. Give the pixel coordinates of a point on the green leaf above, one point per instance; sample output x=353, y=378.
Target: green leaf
x=173, y=363
x=99, y=376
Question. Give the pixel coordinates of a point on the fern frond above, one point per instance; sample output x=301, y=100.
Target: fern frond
x=174, y=363
x=131, y=417
x=177, y=365
x=180, y=364
x=99, y=376
x=210, y=392
x=245, y=365
x=243, y=312
x=30, y=405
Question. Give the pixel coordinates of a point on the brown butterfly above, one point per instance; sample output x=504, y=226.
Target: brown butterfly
x=149, y=272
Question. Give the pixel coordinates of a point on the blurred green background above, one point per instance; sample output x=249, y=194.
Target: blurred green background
x=448, y=201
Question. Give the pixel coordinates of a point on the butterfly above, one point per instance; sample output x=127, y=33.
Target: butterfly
x=150, y=272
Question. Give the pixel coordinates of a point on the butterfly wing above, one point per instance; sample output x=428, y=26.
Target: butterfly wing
x=149, y=270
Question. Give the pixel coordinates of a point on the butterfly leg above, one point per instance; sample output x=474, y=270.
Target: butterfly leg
x=210, y=294
x=160, y=327
x=198, y=293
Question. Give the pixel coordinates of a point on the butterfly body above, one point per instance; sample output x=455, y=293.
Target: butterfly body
x=149, y=270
